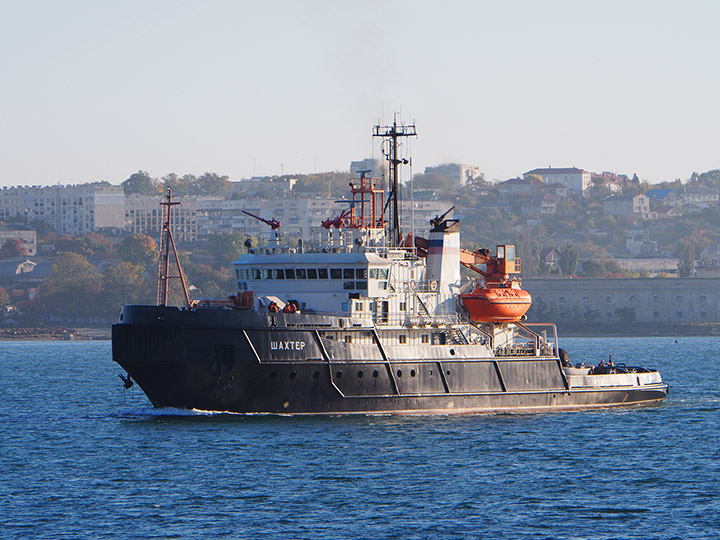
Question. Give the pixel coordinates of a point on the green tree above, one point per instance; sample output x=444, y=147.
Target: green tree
x=13, y=247
x=568, y=260
x=179, y=185
x=123, y=284
x=686, y=263
x=4, y=298
x=226, y=247
x=209, y=184
x=142, y=184
x=71, y=288
x=138, y=249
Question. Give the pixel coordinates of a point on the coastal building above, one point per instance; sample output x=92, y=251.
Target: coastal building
x=24, y=233
x=459, y=173
x=143, y=216
x=376, y=167
x=299, y=218
x=627, y=205
x=574, y=179
x=71, y=209
x=663, y=197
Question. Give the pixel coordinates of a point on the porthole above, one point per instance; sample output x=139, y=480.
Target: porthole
x=293, y=374
x=375, y=373
x=316, y=375
x=447, y=372
x=412, y=372
x=430, y=372
x=360, y=374
x=338, y=374
x=452, y=352
x=399, y=372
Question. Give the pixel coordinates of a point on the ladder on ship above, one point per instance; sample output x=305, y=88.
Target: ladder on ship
x=457, y=336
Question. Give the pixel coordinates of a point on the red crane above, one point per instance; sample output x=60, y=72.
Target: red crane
x=274, y=223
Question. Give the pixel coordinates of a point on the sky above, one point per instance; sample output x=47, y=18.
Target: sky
x=96, y=90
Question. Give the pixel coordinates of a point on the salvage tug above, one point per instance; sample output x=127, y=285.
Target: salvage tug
x=363, y=319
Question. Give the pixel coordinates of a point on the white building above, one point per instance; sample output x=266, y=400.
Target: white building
x=299, y=218
x=68, y=209
x=143, y=215
x=574, y=179
x=460, y=173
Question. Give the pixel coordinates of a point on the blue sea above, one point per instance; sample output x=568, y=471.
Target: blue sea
x=80, y=457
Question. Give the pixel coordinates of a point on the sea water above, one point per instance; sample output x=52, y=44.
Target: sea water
x=80, y=457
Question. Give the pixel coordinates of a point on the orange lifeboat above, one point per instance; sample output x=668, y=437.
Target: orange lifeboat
x=497, y=302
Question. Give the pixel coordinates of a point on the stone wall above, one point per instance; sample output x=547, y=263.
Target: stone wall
x=662, y=301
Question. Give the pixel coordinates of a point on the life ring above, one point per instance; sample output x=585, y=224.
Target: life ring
x=433, y=285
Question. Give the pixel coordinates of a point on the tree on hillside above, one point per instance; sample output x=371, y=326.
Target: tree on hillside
x=179, y=185
x=226, y=247
x=568, y=260
x=138, y=249
x=123, y=284
x=686, y=262
x=209, y=184
x=4, y=298
x=71, y=288
x=142, y=184
x=13, y=247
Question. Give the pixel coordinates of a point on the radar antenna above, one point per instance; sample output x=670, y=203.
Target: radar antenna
x=391, y=134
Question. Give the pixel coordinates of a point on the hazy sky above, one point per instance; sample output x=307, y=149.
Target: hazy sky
x=95, y=90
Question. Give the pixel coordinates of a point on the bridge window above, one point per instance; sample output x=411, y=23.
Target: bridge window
x=312, y=273
x=349, y=285
x=322, y=273
x=348, y=273
x=402, y=339
x=336, y=273
x=300, y=273
x=361, y=273
x=289, y=273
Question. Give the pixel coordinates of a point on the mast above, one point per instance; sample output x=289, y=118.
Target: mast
x=391, y=134
x=166, y=243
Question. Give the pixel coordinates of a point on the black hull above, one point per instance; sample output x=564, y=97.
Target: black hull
x=223, y=360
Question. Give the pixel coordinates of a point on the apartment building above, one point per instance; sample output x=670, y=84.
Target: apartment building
x=143, y=215
x=71, y=209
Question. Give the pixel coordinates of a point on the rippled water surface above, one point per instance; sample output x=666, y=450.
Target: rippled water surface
x=82, y=458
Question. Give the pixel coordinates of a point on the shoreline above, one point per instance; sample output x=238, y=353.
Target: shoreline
x=104, y=333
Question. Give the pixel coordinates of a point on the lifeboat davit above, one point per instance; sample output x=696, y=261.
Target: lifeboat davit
x=497, y=302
